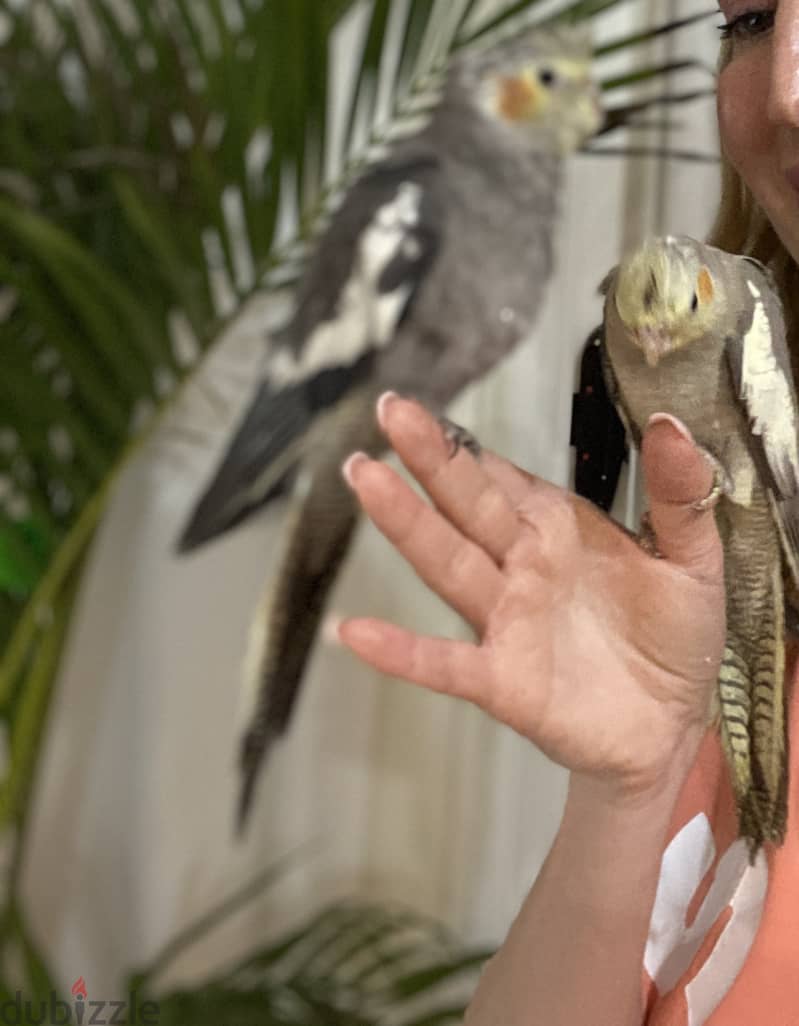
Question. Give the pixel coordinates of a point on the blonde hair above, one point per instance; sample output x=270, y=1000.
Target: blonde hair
x=742, y=227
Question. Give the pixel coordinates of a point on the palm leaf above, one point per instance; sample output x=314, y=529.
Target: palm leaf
x=357, y=964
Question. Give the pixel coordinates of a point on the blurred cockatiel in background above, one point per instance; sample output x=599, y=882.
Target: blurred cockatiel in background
x=432, y=270
x=699, y=333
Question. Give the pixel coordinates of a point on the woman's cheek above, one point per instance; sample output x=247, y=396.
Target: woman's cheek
x=746, y=133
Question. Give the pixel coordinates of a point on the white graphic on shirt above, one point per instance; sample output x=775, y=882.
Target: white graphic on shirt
x=672, y=946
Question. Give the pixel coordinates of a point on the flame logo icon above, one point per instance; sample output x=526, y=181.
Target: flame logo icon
x=79, y=988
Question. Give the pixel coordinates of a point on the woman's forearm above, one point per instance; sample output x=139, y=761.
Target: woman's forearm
x=574, y=955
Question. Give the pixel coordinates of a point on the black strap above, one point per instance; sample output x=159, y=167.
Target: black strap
x=597, y=432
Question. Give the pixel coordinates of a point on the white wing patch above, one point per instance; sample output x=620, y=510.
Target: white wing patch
x=769, y=399
x=365, y=317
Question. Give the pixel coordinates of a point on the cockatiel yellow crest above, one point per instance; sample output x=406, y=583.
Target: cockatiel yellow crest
x=700, y=334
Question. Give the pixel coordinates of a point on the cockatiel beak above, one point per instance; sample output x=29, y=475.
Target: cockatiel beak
x=653, y=342
x=638, y=298
x=589, y=116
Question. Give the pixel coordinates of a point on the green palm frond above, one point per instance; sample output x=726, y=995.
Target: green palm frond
x=357, y=964
x=352, y=963
x=160, y=163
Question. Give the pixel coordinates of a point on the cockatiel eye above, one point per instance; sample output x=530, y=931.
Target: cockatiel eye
x=547, y=77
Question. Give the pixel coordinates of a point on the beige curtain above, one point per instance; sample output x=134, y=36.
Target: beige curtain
x=399, y=794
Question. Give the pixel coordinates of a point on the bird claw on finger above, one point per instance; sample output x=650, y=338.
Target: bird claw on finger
x=710, y=500
x=459, y=438
x=721, y=486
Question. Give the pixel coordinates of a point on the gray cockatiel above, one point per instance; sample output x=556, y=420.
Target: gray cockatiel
x=432, y=270
x=699, y=333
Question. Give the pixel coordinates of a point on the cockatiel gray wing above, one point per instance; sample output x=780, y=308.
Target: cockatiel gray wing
x=429, y=275
x=314, y=406
x=762, y=375
x=359, y=286
x=699, y=333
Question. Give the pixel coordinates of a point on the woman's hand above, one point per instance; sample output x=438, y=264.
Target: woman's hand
x=600, y=653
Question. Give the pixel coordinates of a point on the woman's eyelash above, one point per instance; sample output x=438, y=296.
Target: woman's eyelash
x=752, y=23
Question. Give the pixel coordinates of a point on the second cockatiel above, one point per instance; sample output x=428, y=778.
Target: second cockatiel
x=699, y=333
x=432, y=270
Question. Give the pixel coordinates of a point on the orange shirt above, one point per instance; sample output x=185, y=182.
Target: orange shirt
x=723, y=946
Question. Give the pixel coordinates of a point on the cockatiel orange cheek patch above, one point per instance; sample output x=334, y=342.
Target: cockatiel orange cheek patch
x=704, y=286
x=518, y=98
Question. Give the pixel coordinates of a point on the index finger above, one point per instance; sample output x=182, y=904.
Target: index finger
x=459, y=486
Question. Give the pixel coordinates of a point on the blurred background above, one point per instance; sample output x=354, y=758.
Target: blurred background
x=161, y=162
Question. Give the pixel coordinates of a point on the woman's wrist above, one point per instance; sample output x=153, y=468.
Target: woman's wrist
x=628, y=831
x=640, y=792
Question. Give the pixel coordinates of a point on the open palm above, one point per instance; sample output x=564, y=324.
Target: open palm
x=601, y=654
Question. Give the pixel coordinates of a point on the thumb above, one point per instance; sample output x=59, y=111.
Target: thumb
x=677, y=475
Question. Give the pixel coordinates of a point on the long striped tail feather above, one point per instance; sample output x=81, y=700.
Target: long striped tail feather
x=752, y=715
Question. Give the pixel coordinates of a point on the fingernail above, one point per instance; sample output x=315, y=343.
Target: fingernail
x=677, y=425
x=349, y=464
x=382, y=406
x=330, y=630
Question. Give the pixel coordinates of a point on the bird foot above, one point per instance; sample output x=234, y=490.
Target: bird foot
x=721, y=485
x=459, y=438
